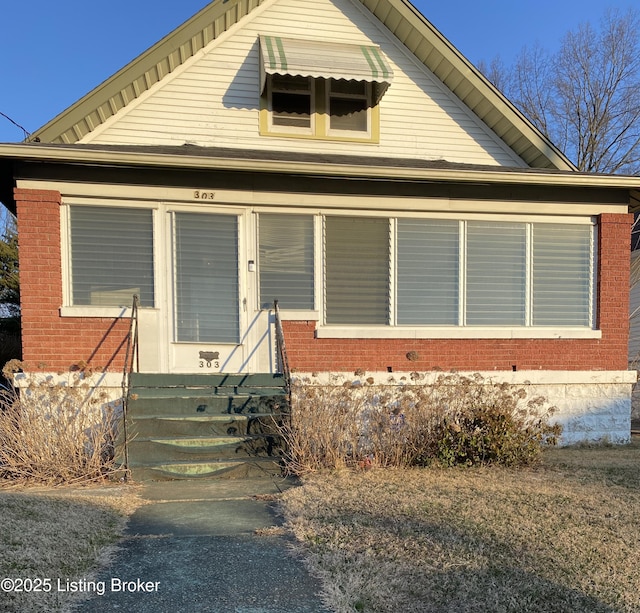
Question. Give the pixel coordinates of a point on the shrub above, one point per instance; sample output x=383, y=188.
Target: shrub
x=54, y=433
x=452, y=420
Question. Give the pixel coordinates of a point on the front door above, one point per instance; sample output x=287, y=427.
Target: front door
x=217, y=325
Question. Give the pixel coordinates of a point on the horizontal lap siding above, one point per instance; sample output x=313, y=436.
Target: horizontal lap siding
x=51, y=342
x=214, y=100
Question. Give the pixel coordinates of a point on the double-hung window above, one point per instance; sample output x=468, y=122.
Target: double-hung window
x=292, y=103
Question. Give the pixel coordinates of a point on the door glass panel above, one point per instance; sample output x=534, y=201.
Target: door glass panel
x=206, y=278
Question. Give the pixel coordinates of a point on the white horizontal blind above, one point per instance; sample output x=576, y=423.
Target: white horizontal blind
x=111, y=256
x=286, y=261
x=562, y=274
x=496, y=273
x=357, y=270
x=206, y=278
x=428, y=272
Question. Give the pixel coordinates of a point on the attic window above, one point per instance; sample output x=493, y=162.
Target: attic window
x=291, y=101
x=321, y=90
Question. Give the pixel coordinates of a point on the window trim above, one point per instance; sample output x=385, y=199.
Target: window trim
x=320, y=120
x=455, y=332
x=394, y=330
x=67, y=308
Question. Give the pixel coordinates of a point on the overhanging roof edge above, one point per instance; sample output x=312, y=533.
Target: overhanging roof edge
x=102, y=157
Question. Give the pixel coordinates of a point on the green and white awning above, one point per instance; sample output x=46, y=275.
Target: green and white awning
x=320, y=59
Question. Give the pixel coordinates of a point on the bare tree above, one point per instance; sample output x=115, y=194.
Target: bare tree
x=9, y=276
x=586, y=96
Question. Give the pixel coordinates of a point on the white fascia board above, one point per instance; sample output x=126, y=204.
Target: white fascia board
x=185, y=161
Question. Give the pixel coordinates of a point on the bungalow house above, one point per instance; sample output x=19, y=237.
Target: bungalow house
x=344, y=158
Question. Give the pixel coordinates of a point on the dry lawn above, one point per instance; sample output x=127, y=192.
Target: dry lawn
x=564, y=537
x=57, y=533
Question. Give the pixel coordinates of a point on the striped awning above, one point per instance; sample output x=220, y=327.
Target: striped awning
x=320, y=59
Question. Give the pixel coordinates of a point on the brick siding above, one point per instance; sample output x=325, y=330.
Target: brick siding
x=51, y=342
x=55, y=343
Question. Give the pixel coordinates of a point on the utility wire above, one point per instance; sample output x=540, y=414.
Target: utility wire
x=26, y=134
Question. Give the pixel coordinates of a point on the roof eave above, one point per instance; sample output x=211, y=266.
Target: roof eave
x=187, y=161
x=435, y=51
x=143, y=72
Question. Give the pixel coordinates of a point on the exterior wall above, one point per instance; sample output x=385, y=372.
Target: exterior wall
x=634, y=311
x=54, y=342
x=213, y=99
x=49, y=341
x=308, y=353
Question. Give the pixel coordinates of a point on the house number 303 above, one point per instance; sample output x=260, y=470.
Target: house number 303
x=209, y=359
x=202, y=195
x=209, y=364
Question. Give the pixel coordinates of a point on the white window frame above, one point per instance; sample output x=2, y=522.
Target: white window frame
x=462, y=330
x=68, y=309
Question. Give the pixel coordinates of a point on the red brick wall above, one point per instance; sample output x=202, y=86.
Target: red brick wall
x=51, y=342
x=309, y=354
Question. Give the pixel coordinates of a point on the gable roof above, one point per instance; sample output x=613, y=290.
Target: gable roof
x=409, y=26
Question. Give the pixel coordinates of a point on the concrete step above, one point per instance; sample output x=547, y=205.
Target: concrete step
x=196, y=426
x=224, y=469
x=150, y=426
x=165, y=449
x=211, y=380
x=203, y=392
x=204, y=405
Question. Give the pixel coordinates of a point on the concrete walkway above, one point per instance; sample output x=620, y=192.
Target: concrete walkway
x=195, y=548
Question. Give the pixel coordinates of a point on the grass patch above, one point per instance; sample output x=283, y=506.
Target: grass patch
x=561, y=537
x=57, y=534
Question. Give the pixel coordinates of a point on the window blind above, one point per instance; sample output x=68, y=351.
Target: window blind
x=286, y=261
x=111, y=256
x=357, y=270
x=428, y=272
x=562, y=273
x=206, y=278
x=496, y=274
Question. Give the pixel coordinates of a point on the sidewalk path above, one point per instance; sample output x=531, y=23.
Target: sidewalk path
x=195, y=548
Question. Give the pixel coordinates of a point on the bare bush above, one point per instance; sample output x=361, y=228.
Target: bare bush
x=453, y=420
x=52, y=432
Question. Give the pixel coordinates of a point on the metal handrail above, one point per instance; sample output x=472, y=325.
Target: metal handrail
x=281, y=349
x=131, y=364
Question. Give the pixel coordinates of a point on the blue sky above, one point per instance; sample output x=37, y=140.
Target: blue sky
x=52, y=53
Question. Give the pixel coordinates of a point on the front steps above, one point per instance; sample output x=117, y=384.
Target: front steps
x=204, y=426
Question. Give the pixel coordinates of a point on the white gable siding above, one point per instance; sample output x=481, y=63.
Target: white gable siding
x=213, y=100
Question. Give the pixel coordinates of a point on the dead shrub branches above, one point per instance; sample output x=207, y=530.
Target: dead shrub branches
x=52, y=432
x=453, y=420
